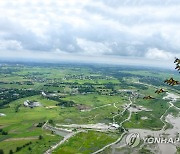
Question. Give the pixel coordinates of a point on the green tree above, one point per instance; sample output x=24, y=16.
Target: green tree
x=4, y=133
x=29, y=148
x=10, y=152
x=51, y=122
x=18, y=149
x=1, y=151
x=40, y=137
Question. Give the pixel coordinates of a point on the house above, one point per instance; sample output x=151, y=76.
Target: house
x=2, y=115
x=48, y=95
x=31, y=104
x=43, y=94
x=115, y=125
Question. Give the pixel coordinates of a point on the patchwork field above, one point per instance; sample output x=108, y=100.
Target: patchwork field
x=81, y=109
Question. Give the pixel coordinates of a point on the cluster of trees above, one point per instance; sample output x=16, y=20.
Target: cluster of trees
x=25, y=145
x=86, y=89
x=52, y=84
x=66, y=103
x=63, y=103
x=2, y=132
x=8, y=71
x=120, y=75
x=139, y=86
x=83, y=77
x=109, y=86
x=28, y=83
x=40, y=124
x=18, y=83
x=18, y=148
x=14, y=94
x=151, y=80
x=51, y=122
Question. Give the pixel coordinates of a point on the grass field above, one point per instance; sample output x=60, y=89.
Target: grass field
x=86, y=142
x=97, y=90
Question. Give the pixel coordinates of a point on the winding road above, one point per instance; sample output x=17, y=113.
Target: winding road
x=119, y=139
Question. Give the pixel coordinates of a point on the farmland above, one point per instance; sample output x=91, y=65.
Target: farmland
x=79, y=98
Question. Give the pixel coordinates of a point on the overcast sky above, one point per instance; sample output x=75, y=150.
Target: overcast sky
x=108, y=31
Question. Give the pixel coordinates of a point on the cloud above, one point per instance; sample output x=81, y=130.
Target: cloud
x=155, y=53
x=117, y=3
x=93, y=48
x=12, y=45
x=139, y=28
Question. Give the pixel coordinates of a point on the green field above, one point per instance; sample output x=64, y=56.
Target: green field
x=76, y=95
x=86, y=142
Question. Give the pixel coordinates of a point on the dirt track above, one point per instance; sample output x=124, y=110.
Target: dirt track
x=19, y=139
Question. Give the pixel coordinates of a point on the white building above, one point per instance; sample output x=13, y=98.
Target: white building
x=44, y=94
x=2, y=115
x=115, y=125
x=31, y=104
x=26, y=103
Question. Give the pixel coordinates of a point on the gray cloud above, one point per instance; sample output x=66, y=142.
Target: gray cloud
x=117, y=3
x=89, y=28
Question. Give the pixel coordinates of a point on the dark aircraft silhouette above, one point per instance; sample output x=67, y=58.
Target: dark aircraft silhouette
x=177, y=61
x=172, y=82
x=148, y=97
x=160, y=91
x=178, y=67
x=169, y=81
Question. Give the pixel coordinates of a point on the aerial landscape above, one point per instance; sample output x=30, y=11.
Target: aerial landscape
x=82, y=108
x=89, y=77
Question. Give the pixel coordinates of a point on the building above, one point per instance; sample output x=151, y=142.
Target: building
x=31, y=104
x=2, y=115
